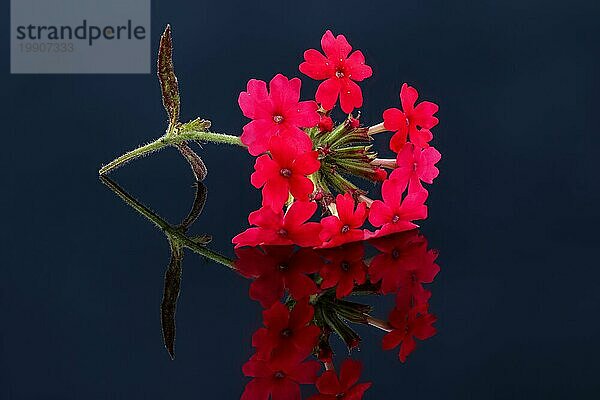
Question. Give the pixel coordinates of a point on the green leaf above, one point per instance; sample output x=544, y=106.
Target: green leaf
x=195, y=125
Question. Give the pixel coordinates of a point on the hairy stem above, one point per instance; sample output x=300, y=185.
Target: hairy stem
x=170, y=140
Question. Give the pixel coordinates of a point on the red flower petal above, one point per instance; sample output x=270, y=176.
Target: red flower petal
x=298, y=213
x=357, y=392
x=257, y=389
x=284, y=92
x=255, y=101
x=267, y=289
x=335, y=47
x=328, y=383
x=256, y=369
x=350, y=373
x=306, y=372
x=426, y=169
x=356, y=67
x=380, y=213
x=264, y=169
x=307, y=163
x=286, y=389
x=328, y=92
x=301, y=315
x=300, y=286
x=408, y=97
x=256, y=135
x=350, y=96
x=276, y=317
x=392, y=339
x=316, y=65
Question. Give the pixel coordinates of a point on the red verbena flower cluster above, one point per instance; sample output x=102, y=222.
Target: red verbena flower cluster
x=303, y=293
x=304, y=159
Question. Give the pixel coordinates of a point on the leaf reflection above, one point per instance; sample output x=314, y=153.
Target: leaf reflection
x=178, y=240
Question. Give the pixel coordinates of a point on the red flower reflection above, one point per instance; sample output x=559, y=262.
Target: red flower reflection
x=302, y=326
x=287, y=334
x=339, y=69
x=344, y=267
x=277, y=268
x=414, y=122
x=279, y=379
x=408, y=324
x=404, y=262
x=346, y=387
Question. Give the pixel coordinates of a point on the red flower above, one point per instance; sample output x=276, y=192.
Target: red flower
x=277, y=228
x=278, y=113
x=345, y=227
x=339, y=69
x=415, y=165
x=415, y=122
x=332, y=388
x=283, y=172
x=277, y=269
x=287, y=334
x=354, y=122
x=408, y=324
x=344, y=267
x=394, y=214
x=278, y=378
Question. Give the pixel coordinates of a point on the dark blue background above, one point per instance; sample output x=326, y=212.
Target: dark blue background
x=513, y=213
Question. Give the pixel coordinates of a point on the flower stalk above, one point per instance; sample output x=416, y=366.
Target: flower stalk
x=177, y=133
x=170, y=140
x=389, y=163
x=376, y=129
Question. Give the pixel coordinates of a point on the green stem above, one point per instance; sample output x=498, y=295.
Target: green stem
x=170, y=140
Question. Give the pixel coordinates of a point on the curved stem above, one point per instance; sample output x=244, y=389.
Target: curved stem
x=170, y=140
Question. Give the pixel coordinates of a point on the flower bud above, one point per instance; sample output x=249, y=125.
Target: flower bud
x=325, y=123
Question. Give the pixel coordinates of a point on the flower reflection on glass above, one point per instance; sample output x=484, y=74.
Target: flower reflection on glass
x=304, y=293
